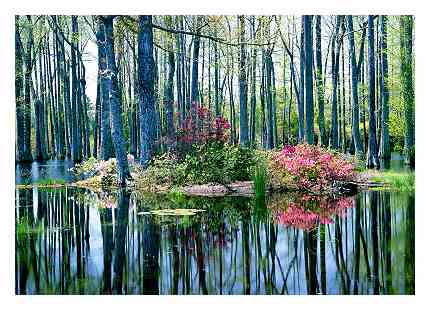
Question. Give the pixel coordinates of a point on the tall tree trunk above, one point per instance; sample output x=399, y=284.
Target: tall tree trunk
x=358, y=144
x=335, y=50
x=19, y=96
x=27, y=99
x=384, y=146
x=253, y=98
x=42, y=120
x=96, y=132
x=76, y=156
x=115, y=104
x=244, y=134
x=407, y=86
x=372, y=151
x=301, y=112
x=60, y=93
x=269, y=100
x=168, y=91
x=106, y=148
x=319, y=82
x=308, y=79
x=146, y=77
x=195, y=68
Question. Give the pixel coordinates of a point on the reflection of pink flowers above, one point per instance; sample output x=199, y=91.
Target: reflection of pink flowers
x=308, y=213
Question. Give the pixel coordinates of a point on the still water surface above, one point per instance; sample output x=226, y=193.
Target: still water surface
x=74, y=241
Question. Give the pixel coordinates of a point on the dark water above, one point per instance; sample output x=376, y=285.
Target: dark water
x=73, y=241
x=36, y=171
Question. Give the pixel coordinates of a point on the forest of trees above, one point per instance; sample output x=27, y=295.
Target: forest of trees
x=345, y=82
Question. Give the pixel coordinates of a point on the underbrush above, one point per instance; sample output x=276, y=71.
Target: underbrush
x=400, y=181
x=211, y=163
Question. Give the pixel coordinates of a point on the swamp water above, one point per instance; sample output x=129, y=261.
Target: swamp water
x=75, y=241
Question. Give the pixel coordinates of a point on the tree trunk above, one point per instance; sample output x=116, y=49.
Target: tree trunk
x=244, y=134
x=146, y=77
x=308, y=79
x=301, y=112
x=407, y=86
x=319, y=82
x=27, y=99
x=106, y=148
x=195, y=69
x=384, y=148
x=115, y=104
x=372, y=151
x=168, y=91
x=335, y=50
x=358, y=145
x=19, y=97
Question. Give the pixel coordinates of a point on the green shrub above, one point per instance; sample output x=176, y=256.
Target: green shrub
x=217, y=163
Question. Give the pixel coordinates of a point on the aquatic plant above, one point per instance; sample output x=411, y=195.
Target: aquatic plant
x=260, y=181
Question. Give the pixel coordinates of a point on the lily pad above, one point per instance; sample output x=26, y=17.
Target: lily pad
x=172, y=212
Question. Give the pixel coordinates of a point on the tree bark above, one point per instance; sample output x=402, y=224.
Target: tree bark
x=319, y=82
x=115, y=104
x=146, y=77
x=384, y=148
x=372, y=151
x=308, y=79
x=244, y=134
x=407, y=86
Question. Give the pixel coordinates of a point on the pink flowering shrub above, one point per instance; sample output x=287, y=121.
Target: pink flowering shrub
x=200, y=127
x=308, y=212
x=310, y=168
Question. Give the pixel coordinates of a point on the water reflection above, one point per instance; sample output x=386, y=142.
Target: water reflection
x=74, y=241
x=51, y=169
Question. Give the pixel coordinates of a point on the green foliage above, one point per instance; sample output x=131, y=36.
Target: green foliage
x=400, y=181
x=161, y=172
x=217, y=163
x=86, y=166
x=209, y=163
x=50, y=182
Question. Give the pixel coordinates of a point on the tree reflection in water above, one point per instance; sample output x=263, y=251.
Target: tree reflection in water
x=74, y=241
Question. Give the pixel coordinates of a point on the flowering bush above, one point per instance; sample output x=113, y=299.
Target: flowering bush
x=200, y=127
x=310, y=211
x=310, y=168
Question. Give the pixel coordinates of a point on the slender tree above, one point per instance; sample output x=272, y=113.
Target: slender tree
x=372, y=151
x=146, y=77
x=19, y=96
x=308, y=46
x=384, y=146
x=319, y=82
x=358, y=145
x=115, y=104
x=168, y=90
x=335, y=50
x=407, y=85
x=28, y=157
x=244, y=134
x=106, y=147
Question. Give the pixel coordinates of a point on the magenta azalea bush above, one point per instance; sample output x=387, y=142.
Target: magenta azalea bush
x=310, y=168
x=201, y=127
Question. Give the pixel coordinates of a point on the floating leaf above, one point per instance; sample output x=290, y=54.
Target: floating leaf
x=172, y=212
